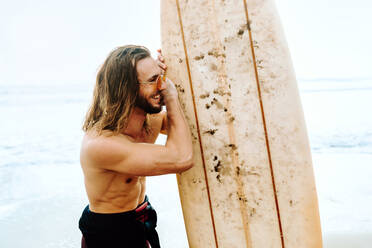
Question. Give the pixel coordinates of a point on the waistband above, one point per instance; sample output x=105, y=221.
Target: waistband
x=143, y=205
x=108, y=222
x=131, y=213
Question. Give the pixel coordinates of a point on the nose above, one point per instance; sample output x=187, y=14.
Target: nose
x=162, y=83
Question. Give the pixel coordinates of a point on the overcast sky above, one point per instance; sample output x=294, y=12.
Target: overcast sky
x=64, y=42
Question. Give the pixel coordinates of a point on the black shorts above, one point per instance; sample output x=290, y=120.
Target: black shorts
x=132, y=229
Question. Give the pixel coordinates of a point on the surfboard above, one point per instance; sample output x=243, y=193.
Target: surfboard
x=252, y=184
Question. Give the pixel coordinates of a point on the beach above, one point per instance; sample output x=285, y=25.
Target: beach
x=41, y=183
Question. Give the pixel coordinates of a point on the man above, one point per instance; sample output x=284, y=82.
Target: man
x=118, y=149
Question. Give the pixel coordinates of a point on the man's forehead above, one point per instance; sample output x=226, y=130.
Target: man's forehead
x=146, y=68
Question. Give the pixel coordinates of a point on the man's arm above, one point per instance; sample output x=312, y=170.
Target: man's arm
x=118, y=154
x=163, y=67
x=164, y=125
x=177, y=129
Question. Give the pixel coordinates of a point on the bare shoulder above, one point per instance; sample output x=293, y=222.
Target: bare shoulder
x=104, y=148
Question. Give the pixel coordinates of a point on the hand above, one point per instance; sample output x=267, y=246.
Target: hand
x=160, y=61
x=168, y=90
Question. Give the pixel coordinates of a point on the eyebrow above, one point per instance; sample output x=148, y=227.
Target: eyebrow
x=152, y=78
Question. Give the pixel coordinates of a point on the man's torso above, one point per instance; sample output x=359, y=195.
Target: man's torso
x=110, y=191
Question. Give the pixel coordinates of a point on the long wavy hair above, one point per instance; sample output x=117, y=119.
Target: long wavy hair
x=116, y=90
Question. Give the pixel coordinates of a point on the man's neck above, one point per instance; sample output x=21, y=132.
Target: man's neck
x=135, y=124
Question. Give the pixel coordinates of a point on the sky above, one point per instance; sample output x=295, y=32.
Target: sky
x=64, y=42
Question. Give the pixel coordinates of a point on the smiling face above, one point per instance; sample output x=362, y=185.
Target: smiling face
x=149, y=98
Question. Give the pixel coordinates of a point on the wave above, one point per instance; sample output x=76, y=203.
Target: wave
x=361, y=143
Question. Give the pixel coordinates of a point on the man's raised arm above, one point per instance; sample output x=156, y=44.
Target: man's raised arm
x=142, y=159
x=179, y=137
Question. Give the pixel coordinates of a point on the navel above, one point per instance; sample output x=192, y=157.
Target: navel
x=128, y=180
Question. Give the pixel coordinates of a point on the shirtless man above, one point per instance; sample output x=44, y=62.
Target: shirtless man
x=118, y=149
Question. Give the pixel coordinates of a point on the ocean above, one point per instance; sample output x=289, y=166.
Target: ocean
x=41, y=184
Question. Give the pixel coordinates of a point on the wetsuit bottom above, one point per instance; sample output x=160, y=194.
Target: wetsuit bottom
x=132, y=229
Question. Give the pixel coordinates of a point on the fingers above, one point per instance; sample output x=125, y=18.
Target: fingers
x=160, y=56
x=162, y=66
x=160, y=60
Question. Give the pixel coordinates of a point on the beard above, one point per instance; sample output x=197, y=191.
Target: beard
x=144, y=104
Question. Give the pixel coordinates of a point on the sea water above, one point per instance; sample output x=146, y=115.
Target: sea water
x=41, y=184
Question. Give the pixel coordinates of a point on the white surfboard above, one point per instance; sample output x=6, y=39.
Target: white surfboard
x=252, y=184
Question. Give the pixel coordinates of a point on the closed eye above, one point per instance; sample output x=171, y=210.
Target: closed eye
x=153, y=78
